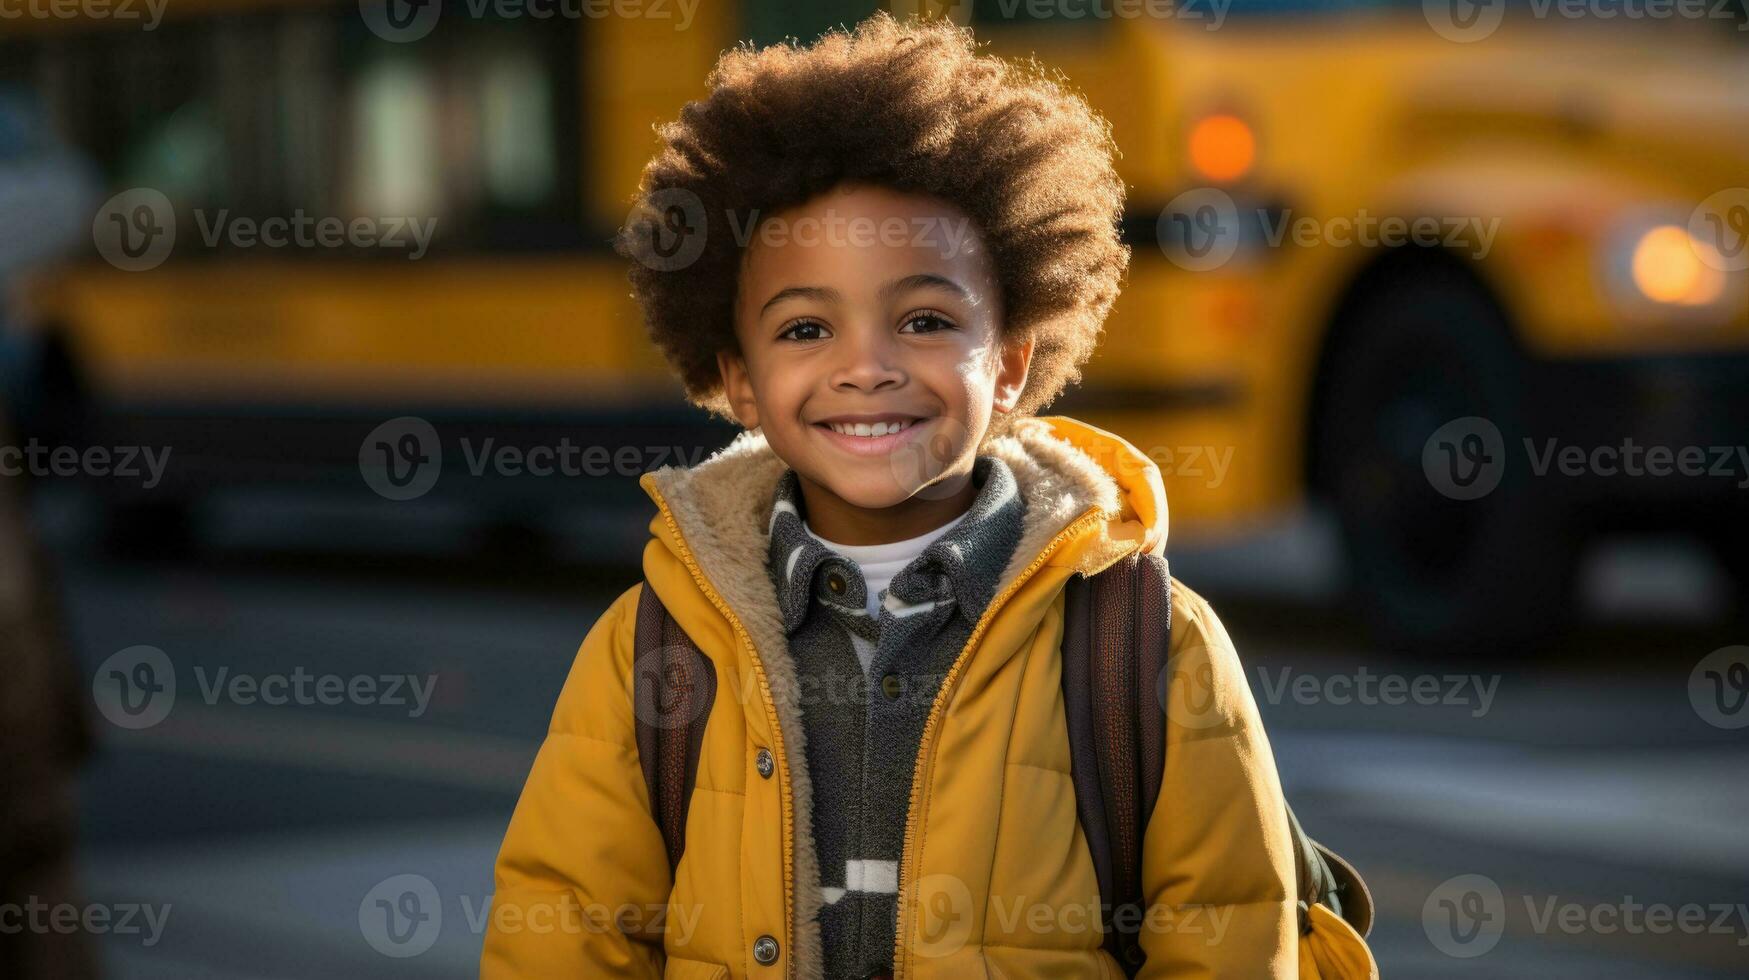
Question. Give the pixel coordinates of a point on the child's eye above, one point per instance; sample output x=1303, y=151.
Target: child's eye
x=926, y=321
x=804, y=330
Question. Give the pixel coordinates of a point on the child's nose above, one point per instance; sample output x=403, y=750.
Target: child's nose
x=867, y=361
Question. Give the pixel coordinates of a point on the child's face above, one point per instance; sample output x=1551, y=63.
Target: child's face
x=877, y=309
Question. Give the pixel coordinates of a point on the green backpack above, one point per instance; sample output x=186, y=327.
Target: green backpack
x=1115, y=645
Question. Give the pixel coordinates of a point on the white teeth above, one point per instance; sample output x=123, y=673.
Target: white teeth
x=867, y=429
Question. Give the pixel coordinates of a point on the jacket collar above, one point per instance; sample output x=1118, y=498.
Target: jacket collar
x=957, y=570
x=721, y=507
x=1061, y=467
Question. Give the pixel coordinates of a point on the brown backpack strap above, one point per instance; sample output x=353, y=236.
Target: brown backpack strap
x=1117, y=629
x=673, y=687
x=1117, y=633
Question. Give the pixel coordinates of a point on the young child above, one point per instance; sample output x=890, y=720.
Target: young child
x=887, y=253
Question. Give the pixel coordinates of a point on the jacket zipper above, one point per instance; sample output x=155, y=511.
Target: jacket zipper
x=745, y=638
x=907, y=853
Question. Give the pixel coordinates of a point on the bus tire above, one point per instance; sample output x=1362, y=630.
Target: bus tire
x=1423, y=347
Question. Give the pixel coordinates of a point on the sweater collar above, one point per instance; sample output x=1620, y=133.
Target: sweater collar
x=959, y=569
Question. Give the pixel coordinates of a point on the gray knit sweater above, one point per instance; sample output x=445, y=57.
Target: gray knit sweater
x=862, y=729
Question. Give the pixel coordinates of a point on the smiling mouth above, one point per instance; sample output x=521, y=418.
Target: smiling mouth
x=870, y=435
x=866, y=430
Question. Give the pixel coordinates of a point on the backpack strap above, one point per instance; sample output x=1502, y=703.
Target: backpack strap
x=673, y=687
x=1117, y=634
x=1115, y=642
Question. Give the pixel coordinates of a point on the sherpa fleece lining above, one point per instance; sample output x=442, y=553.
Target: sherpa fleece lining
x=722, y=507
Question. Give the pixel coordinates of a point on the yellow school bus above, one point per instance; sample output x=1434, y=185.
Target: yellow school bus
x=1394, y=255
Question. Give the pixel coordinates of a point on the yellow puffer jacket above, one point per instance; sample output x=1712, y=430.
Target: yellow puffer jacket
x=996, y=878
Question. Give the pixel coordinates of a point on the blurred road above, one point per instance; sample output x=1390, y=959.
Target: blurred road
x=1585, y=790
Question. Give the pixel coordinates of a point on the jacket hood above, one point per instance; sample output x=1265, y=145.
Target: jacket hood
x=714, y=518
x=722, y=506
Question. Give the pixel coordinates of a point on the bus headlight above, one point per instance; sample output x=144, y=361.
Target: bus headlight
x=1670, y=266
x=1655, y=271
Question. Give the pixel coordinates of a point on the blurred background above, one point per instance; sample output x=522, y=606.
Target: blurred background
x=326, y=399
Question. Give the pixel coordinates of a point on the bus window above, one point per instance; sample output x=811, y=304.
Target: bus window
x=770, y=21
x=477, y=125
x=273, y=112
x=1022, y=12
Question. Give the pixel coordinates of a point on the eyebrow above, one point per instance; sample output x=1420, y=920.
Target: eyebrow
x=826, y=294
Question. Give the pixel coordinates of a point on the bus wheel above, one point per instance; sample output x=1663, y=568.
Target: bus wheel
x=1451, y=545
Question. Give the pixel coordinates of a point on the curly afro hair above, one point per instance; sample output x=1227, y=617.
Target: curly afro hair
x=908, y=105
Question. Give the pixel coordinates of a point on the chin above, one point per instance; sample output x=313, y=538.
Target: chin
x=874, y=491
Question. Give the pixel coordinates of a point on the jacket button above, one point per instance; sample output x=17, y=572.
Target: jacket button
x=835, y=582
x=892, y=686
x=764, y=763
x=765, y=950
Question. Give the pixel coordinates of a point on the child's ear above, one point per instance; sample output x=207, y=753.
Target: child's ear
x=1012, y=363
x=738, y=388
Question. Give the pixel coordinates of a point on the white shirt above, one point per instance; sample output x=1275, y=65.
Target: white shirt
x=880, y=562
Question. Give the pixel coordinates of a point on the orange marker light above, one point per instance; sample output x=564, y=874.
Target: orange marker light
x=1222, y=147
